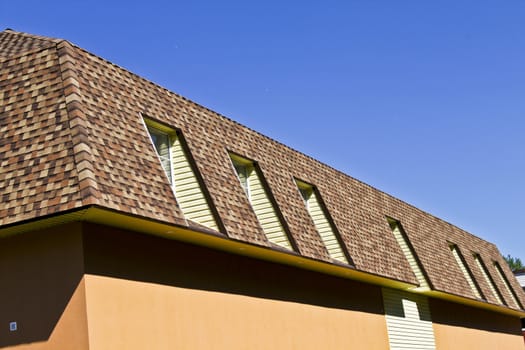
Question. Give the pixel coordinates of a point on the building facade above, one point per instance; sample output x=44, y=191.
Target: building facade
x=520, y=276
x=134, y=218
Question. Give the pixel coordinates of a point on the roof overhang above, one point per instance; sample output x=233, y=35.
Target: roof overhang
x=210, y=239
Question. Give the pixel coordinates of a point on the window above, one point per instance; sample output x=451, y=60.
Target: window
x=262, y=202
x=306, y=193
x=495, y=292
x=243, y=171
x=324, y=227
x=181, y=175
x=465, y=270
x=408, y=251
x=161, y=141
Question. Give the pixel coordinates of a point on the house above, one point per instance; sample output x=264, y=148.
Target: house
x=520, y=276
x=134, y=218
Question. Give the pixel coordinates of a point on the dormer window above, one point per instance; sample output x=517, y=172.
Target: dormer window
x=320, y=218
x=261, y=200
x=243, y=172
x=466, y=271
x=162, y=143
x=182, y=174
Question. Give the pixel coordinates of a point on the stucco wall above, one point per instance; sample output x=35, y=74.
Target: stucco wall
x=463, y=327
x=149, y=293
x=83, y=286
x=127, y=314
x=42, y=289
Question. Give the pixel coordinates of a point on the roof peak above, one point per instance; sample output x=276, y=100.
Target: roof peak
x=14, y=43
x=30, y=35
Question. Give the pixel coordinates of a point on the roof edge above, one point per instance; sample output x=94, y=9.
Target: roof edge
x=33, y=36
x=195, y=235
x=46, y=44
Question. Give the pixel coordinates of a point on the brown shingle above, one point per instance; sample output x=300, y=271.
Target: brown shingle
x=74, y=136
x=36, y=152
x=14, y=43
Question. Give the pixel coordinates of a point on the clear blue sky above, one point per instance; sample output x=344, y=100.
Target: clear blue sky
x=424, y=100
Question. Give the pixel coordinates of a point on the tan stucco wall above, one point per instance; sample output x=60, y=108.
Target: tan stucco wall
x=144, y=292
x=462, y=327
x=127, y=314
x=99, y=288
x=453, y=338
x=42, y=290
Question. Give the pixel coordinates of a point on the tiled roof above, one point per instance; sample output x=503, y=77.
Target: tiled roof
x=74, y=136
x=39, y=175
x=12, y=43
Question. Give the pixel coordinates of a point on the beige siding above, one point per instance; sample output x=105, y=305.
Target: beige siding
x=408, y=320
x=515, y=302
x=465, y=271
x=489, y=281
x=188, y=192
x=265, y=212
x=324, y=228
x=401, y=240
x=260, y=201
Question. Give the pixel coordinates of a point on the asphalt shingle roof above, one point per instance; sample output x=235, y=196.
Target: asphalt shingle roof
x=73, y=135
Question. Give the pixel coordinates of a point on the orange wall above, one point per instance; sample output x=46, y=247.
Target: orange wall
x=144, y=292
x=83, y=286
x=42, y=290
x=127, y=314
x=462, y=327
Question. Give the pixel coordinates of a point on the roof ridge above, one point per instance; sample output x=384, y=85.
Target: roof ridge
x=15, y=44
x=33, y=36
x=78, y=124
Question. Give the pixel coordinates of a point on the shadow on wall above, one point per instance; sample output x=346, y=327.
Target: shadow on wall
x=39, y=272
x=448, y=313
x=138, y=257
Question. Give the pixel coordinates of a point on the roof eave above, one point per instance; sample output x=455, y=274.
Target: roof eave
x=198, y=236
x=216, y=240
